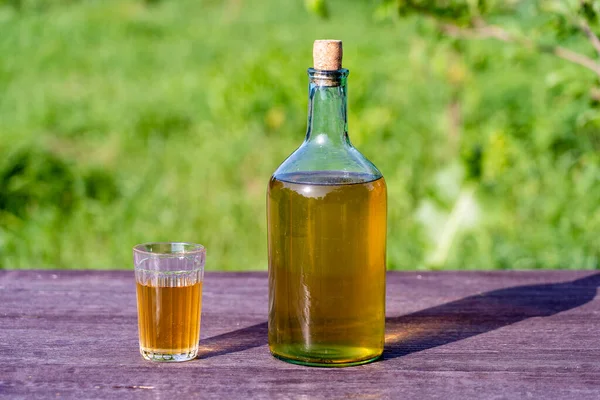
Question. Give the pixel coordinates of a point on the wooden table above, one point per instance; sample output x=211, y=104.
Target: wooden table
x=450, y=335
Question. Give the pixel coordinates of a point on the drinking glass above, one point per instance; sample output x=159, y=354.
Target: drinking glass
x=169, y=278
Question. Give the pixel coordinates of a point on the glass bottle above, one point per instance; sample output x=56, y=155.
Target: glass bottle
x=327, y=217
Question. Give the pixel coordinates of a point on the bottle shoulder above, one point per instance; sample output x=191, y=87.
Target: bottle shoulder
x=322, y=158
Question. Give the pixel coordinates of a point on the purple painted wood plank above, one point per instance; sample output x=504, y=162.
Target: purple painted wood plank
x=450, y=335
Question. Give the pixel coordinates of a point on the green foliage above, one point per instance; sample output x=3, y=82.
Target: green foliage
x=317, y=7
x=456, y=10
x=130, y=121
x=32, y=179
x=545, y=19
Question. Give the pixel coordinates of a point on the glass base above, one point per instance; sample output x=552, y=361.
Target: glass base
x=326, y=356
x=168, y=357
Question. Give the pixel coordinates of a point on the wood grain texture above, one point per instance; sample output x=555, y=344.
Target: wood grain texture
x=450, y=335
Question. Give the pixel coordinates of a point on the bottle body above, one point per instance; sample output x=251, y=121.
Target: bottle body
x=327, y=267
x=327, y=224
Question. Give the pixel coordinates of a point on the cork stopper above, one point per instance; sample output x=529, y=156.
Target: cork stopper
x=327, y=55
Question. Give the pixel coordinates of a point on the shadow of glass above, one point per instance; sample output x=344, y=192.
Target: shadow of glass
x=481, y=313
x=234, y=341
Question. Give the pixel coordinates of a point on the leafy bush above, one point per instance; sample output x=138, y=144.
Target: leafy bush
x=130, y=121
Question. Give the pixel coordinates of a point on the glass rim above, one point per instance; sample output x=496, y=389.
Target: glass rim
x=195, y=248
x=328, y=77
x=312, y=72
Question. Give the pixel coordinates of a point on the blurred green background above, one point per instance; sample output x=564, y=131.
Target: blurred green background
x=123, y=122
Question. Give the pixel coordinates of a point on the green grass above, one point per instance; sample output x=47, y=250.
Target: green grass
x=127, y=121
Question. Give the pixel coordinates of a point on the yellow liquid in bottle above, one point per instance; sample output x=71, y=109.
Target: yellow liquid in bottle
x=327, y=244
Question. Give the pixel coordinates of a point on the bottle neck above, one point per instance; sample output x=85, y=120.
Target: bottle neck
x=327, y=115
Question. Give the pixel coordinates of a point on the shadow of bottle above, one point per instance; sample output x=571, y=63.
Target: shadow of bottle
x=446, y=323
x=481, y=313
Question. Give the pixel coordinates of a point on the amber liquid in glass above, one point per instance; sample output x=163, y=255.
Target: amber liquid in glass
x=169, y=317
x=327, y=241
